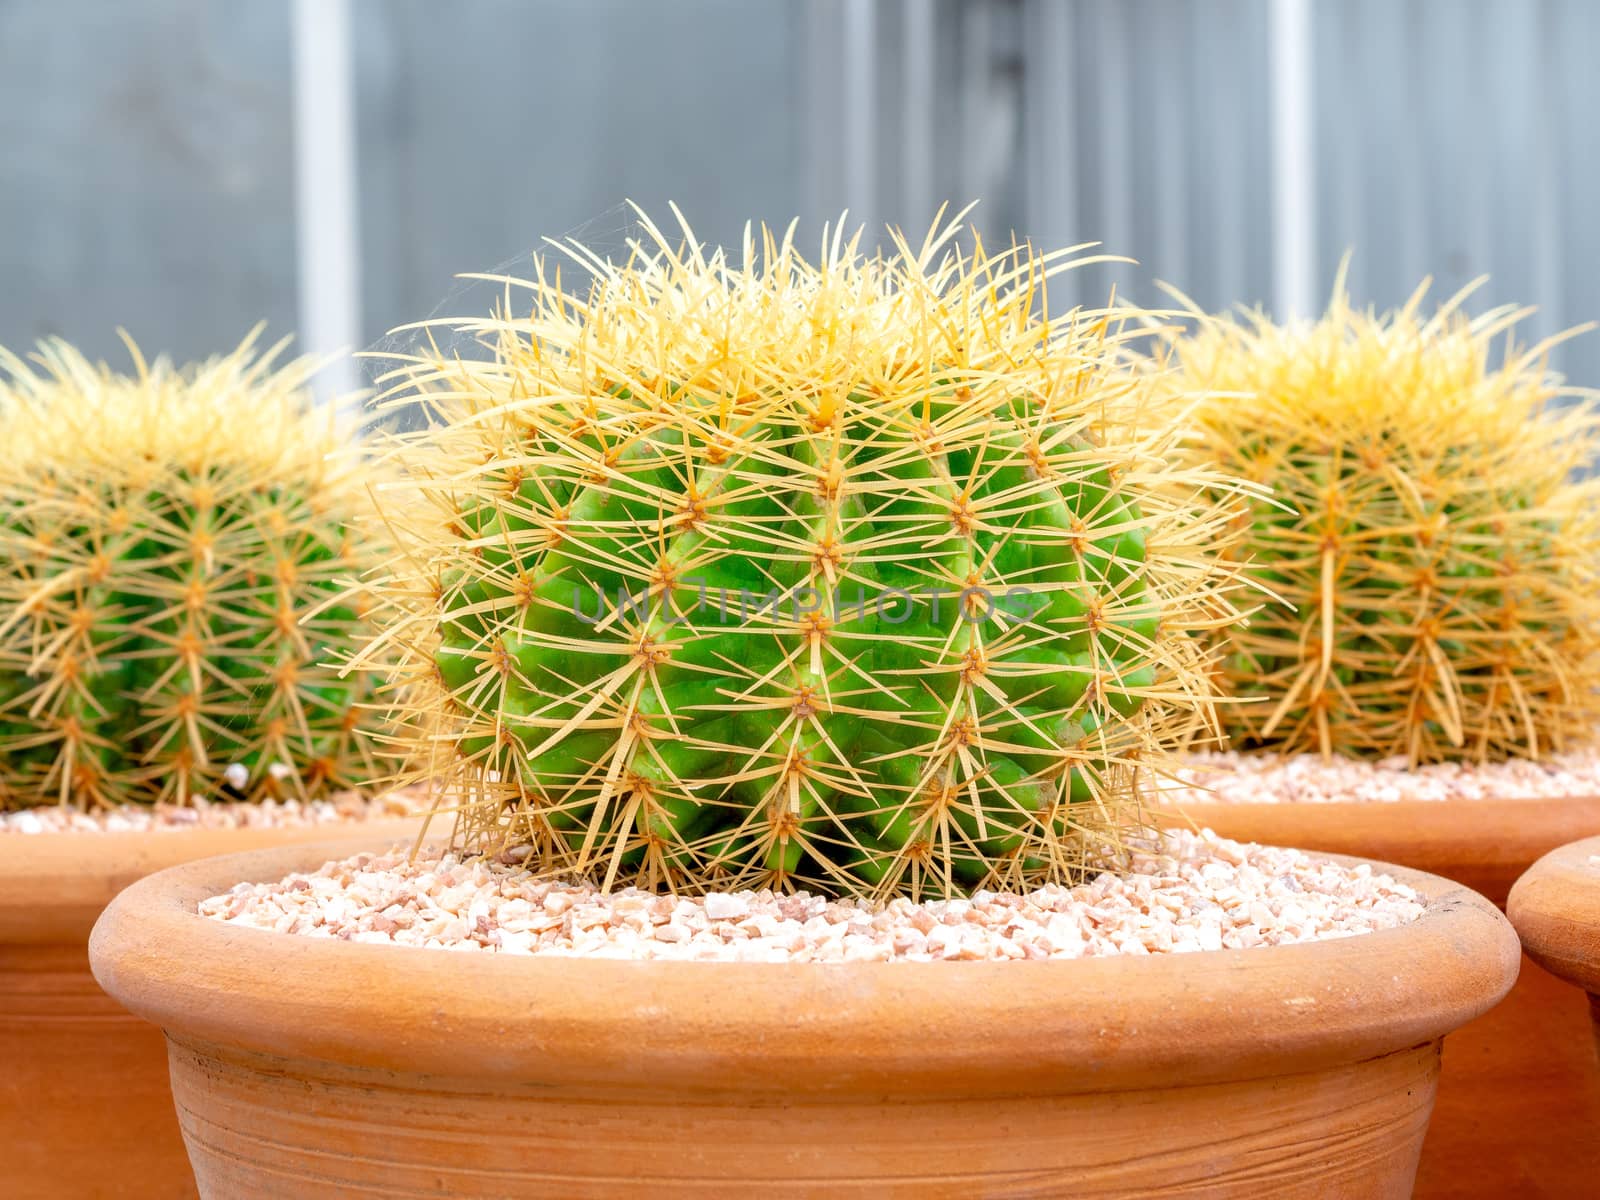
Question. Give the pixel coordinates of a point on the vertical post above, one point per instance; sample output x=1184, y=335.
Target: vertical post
x=860, y=86
x=1117, y=38
x=1220, y=164
x=819, y=24
x=1050, y=125
x=1294, y=231
x=918, y=203
x=1544, y=62
x=1169, y=134
x=327, y=240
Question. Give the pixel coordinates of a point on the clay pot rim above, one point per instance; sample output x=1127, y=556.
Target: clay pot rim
x=53, y=885
x=1555, y=908
x=926, y=1027
x=1485, y=843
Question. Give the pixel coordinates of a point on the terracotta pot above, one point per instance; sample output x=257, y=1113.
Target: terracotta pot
x=85, y=1107
x=1517, y=1103
x=1556, y=909
x=304, y=1067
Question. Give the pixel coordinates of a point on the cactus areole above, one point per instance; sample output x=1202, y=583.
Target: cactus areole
x=860, y=574
x=175, y=549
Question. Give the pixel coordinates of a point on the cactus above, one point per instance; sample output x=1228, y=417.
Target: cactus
x=859, y=575
x=1431, y=530
x=174, y=549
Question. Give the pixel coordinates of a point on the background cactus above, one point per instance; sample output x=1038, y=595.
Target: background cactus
x=1431, y=523
x=745, y=573
x=171, y=547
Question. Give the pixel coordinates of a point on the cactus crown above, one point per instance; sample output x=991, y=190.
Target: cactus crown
x=172, y=547
x=1430, y=529
x=749, y=573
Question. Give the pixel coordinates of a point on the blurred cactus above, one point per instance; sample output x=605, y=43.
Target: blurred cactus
x=174, y=546
x=1432, y=528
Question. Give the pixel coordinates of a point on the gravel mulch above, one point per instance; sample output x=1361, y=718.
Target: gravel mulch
x=216, y=814
x=1307, y=779
x=1186, y=892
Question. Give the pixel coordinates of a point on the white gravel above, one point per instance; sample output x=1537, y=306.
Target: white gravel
x=1186, y=892
x=1307, y=779
x=265, y=814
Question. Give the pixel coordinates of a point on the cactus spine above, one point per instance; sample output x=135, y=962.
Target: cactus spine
x=1431, y=525
x=856, y=574
x=173, y=546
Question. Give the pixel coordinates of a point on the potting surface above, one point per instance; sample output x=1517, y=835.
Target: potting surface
x=217, y=814
x=1233, y=777
x=1185, y=892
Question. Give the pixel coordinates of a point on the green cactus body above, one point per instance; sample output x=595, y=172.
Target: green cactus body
x=885, y=614
x=172, y=546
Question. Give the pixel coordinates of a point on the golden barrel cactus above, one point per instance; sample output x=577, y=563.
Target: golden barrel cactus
x=1432, y=531
x=176, y=549
x=748, y=570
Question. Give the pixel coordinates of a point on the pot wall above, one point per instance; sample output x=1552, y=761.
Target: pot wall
x=85, y=1109
x=356, y=1069
x=85, y=1105
x=1518, y=1103
x=259, y=1126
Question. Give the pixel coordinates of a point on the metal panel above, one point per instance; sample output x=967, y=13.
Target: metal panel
x=147, y=175
x=1452, y=139
x=485, y=127
x=1162, y=106
x=146, y=178
x=1457, y=140
x=913, y=110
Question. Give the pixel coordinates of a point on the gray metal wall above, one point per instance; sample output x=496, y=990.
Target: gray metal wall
x=1145, y=126
x=495, y=123
x=149, y=157
x=1458, y=138
x=145, y=172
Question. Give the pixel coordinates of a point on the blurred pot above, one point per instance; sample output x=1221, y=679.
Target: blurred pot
x=1556, y=910
x=1517, y=1102
x=85, y=1106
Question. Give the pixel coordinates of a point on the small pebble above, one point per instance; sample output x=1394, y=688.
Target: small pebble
x=724, y=906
